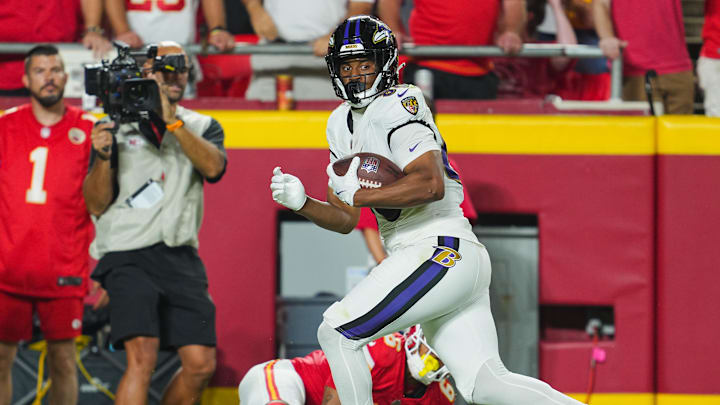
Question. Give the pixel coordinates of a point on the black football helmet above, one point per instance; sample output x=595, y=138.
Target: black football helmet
x=363, y=37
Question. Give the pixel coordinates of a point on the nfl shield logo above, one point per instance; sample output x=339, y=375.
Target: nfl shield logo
x=410, y=104
x=370, y=165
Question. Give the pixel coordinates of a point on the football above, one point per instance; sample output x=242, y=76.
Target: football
x=374, y=171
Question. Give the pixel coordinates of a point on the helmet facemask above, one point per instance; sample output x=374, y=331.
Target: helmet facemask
x=424, y=368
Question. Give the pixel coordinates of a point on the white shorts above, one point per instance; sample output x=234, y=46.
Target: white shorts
x=272, y=382
x=708, y=70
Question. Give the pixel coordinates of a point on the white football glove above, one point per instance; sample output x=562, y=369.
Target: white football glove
x=345, y=186
x=287, y=190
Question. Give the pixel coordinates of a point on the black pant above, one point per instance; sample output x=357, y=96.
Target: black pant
x=452, y=86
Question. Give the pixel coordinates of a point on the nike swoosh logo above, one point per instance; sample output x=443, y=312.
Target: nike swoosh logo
x=413, y=148
x=402, y=94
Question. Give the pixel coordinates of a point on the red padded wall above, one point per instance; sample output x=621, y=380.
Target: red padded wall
x=595, y=218
x=238, y=243
x=688, y=274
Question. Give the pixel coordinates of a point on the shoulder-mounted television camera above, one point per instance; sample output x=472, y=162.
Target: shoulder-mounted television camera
x=125, y=95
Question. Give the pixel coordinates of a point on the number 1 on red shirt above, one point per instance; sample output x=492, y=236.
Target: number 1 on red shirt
x=35, y=194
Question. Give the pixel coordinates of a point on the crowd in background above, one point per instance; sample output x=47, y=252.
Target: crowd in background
x=617, y=26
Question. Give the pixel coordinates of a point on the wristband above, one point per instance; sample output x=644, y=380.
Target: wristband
x=94, y=28
x=216, y=29
x=175, y=125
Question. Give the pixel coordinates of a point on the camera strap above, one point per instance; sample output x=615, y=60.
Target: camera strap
x=153, y=129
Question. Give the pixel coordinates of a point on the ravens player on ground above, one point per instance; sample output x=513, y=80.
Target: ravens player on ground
x=437, y=273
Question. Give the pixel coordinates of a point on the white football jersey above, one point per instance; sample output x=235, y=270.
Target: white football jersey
x=163, y=20
x=399, y=126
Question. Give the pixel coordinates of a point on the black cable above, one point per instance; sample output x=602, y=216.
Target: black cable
x=649, y=75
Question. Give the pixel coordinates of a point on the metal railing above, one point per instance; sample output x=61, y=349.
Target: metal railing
x=420, y=51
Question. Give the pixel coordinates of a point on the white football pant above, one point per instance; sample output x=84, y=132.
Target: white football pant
x=441, y=283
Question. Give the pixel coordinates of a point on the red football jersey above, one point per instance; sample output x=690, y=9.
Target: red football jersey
x=437, y=393
x=45, y=229
x=315, y=372
x=387, y=367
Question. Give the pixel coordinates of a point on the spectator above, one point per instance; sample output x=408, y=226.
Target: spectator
x=708, y=67
x=440, y=22
x=149, y=21
x=295, y=21
x=45, y=229
x=538, y=77
x=46, y=21
x=228, y=75
x=633, y=25
x=145, y=188
x=403, y=368
x=138, y=23
x=589, y=78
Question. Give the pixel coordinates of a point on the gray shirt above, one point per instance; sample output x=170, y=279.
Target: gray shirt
x=159, y=193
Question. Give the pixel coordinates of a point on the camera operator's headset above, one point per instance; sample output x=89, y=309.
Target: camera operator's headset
x=173, y=62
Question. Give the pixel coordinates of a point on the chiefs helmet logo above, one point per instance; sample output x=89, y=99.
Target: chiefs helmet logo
x=446, y=257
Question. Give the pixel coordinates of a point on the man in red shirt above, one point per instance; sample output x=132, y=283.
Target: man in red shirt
x=708, y=67
x=404, y=369
x=46, y=21
x=45, y=229
x=653, y=35
x=442, y=22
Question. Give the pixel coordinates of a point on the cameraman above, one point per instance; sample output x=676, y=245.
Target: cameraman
x=145, y=188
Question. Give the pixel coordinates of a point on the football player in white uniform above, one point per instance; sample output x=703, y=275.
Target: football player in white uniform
x=437, y=273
